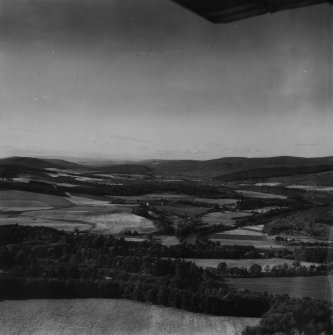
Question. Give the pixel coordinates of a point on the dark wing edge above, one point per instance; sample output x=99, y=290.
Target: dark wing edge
x=225, y=11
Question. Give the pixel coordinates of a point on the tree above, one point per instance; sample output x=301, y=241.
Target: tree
x=163, y=296
x=255, y=270
x=222, y=267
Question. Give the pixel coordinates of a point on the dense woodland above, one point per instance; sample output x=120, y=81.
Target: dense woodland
x=46, y=263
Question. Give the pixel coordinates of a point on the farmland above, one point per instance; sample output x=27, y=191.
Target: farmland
x=102, y=316
x=260, y=195
x=151, y=239
x=257, y=242
x=109, y=220
x=75, y=212
x=11, y=200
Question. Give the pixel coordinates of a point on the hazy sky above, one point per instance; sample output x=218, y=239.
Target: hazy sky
x=149, y=79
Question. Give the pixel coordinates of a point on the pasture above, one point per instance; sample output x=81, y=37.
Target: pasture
x=107, y=316
x=225, y=218
x=319, y=287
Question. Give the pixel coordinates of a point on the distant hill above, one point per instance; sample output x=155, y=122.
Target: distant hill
x=127, y=169
x=228, y=165
x=273, y=172
x=37, y=163
x=253, y=167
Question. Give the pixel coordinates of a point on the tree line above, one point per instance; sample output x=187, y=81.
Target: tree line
x=256, y=270
x=41, y=262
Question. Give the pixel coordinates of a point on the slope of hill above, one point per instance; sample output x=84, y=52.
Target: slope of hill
x=273, y=172
x=127, y=169
x=227, y=165
x=37, y=163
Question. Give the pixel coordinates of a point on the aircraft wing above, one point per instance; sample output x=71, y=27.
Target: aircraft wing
x=224, y=11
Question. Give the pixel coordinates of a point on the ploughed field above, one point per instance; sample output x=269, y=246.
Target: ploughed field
x=318, y=287
x=249, y=235
x=107, y=316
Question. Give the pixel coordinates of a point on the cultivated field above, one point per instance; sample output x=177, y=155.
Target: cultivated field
x=256, y=240
x=94, y=214
x=260, y=195
x=220, y=202
x=225, y=218
x=118, y=222
x=312, y=188
x=246, y=263
x=319, y=287
x=105, y=317
x=11, y=200
x=167, y=240
x=243, y=231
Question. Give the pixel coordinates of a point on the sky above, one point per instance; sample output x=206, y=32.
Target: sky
x=141, y=79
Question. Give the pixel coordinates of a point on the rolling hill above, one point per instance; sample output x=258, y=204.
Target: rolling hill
x=37, y=163
x=273, y=172
x=228, y=165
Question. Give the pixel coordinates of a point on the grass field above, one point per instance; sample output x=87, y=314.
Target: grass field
x=226, y=218
x=182, y=210
x=213, y=263
x=11, y=200
x=320, y=287
x=105, y=317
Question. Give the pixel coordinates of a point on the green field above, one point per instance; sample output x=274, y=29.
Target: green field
x=319, y=287
x=225, y=218
x=11, y=200
x=105, y=317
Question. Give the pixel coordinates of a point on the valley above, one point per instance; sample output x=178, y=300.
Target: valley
x=144, y=231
